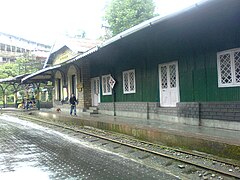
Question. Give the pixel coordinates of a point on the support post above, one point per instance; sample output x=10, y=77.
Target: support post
x=4, y=100
x=38, y=96
x=15, y=99
x=114, y=101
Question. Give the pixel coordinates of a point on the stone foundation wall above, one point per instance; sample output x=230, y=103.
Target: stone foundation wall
x=229, y=111
x=141, y=107
x=213, y=114
x=105, y=106
x=136, y=109
x=188, y=110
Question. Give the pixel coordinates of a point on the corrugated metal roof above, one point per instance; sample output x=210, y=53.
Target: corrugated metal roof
x=139, y=27
x=75, y=45
x=12, y=79
x=40, y=72
x=95, y=49
x=145, y=24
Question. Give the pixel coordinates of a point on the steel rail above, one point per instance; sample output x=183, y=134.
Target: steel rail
x=144, y=149
x=205, y=156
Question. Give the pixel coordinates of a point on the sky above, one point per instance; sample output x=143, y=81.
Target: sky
x=44, y=21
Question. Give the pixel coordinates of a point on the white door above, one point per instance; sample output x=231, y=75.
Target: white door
x=168, y=84
x=95, y=91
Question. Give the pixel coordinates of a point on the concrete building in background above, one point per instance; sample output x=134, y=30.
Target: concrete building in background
x=12, y=47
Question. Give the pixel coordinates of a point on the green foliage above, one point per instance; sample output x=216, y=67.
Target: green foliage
x=21, y=66
x=8, y=70
x=26, y=65
x=22, y=93
x=124, y=14
x=50, y=95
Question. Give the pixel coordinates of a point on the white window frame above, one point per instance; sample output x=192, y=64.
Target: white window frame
x=233, y=83
x=134, y=81
x=104, y=85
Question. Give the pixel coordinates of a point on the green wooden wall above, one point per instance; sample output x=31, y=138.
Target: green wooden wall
x=197, y=79
x=194, y=44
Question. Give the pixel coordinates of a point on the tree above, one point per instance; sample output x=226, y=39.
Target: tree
x=124, y=14
x=26, y=65
x=8, y=70
x=23, y=65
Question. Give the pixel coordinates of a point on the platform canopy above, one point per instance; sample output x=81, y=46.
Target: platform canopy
x=42, y=75
x=16, y=79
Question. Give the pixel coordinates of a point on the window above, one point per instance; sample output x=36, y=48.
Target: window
x=2, y=47
x=129, y=84
x=18, y=49
x=106, y=88
x=8, y=48
x=73, y=84
x=229, y=68
x=13, y=48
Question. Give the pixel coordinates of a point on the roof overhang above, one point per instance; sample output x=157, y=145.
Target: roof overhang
x=144, y=25
x=16, y=79
x=42, y=75
x=146, y=31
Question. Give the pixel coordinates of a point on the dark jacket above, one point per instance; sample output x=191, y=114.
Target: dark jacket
x=73, y=101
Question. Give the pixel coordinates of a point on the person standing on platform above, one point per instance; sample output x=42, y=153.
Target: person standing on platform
x=73, y=103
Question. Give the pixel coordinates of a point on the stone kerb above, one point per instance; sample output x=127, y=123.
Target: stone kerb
x=160, y=136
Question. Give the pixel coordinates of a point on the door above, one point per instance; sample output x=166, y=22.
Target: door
x=59, y=89
x=95, y=91
x=74, y=84
x=168, y=84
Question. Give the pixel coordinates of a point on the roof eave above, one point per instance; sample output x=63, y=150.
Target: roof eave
x=40, y=72
x=143, y=25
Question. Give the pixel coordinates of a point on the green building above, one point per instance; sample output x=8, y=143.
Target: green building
x=184, y=67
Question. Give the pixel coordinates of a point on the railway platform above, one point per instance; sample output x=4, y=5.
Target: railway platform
x=221, y=142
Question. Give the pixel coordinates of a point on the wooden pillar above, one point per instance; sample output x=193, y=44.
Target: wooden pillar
x=4, y=100
x=38, y=98
x=46, y=96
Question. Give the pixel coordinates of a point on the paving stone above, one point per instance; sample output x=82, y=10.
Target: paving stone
x=42, y=152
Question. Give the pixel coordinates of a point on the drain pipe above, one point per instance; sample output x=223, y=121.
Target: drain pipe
x=114, y=101
x=199, y=114
x=147, y=110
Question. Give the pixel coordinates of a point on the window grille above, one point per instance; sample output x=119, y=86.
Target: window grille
x=97, y=87
x=129, y=82
x=164, y=83
x=237, y=66
x=106, y=88
x=173, y=80
x=94, y=87
x=228, y=68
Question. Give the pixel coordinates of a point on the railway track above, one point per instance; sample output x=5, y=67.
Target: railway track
x=216, y=168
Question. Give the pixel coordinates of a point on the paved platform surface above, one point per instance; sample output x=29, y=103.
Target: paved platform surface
x=205, y=139
x=217, y=134
x=28, y=151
